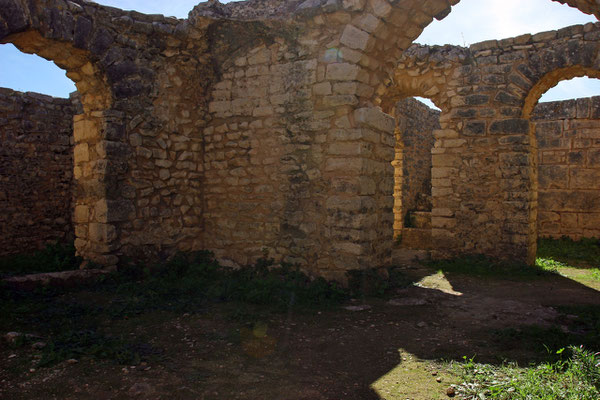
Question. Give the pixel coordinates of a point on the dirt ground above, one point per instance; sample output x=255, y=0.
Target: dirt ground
x=377, y=349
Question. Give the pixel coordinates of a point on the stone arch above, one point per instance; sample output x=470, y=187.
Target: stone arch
x=89, y=80
x=380, y=31
x=54, y=31
x=551, y=79
x=577, y=58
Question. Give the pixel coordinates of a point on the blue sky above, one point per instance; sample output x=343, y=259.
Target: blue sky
x=471, y=21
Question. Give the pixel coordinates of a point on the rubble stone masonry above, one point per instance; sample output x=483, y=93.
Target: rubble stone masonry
x=267, y=126
x=36, y=171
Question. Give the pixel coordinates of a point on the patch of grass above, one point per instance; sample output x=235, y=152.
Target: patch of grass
x=482, y=266
x=550, y=265
x=576, y=378
x=584, y=252
x=55, y=257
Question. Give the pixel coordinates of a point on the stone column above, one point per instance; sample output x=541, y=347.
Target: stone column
x=100, y=160
x=359, y=205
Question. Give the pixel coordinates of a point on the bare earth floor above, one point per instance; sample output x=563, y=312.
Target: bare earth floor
x=391, y=349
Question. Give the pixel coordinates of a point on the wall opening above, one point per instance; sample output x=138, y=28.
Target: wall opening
x=36, y=153
x=416, y=122
x=30, y=73
x=568, y=148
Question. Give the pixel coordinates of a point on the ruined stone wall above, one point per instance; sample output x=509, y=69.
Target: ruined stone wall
x=266, y=124
x=484, y=183
x=138, y=142
x=568, y=136
x=36, y=171
x=412, y=165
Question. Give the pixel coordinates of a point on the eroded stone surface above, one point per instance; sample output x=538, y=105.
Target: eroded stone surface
x=264, y=126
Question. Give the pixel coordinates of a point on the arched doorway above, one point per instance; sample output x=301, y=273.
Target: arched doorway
x=88, y=127
x=36, y=169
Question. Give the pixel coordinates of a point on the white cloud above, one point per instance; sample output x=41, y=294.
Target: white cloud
x=473, y=21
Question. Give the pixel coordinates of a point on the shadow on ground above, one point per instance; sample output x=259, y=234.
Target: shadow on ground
x=235, y=351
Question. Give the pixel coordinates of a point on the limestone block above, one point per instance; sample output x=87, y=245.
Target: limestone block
x=381, y=8
x=219, y=106
x=339, y=100
x=81, y=153
x=102, y=233
x=375, y=118
x=81, y=214
x=85, y=130
x=353, y=5
x=589, y=221
x=355, y=38
x=585, y=178
x=114, y=210
x=553, y=177
x=342, y=72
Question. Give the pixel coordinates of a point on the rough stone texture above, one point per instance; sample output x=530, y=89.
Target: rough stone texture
x=36, y=171
x=265, y=125
x=412, y=165
x=485, y=156
x=568, y=136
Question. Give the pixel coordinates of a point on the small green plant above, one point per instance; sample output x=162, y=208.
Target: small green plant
x=576, y=378
x=584, y=252
x=548, y=264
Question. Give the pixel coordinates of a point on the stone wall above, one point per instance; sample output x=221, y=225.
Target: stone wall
x=36, y=171
x=414, y=141
x=484, y=183
x=265, y=126
x=568, y=137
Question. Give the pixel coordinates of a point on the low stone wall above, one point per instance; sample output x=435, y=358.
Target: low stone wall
x=414, y=141
x=568, y=137
x=36, y=170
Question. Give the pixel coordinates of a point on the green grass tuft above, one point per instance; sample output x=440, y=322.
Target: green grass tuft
x=575, y=252
x=576, y=378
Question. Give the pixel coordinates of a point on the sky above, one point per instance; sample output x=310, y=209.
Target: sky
x=470, y=21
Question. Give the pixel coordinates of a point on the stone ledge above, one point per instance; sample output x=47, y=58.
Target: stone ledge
x=64, y=279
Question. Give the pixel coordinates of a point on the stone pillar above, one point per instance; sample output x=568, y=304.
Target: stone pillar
x=100, y=159
x=398, y=165
x=359, y=205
